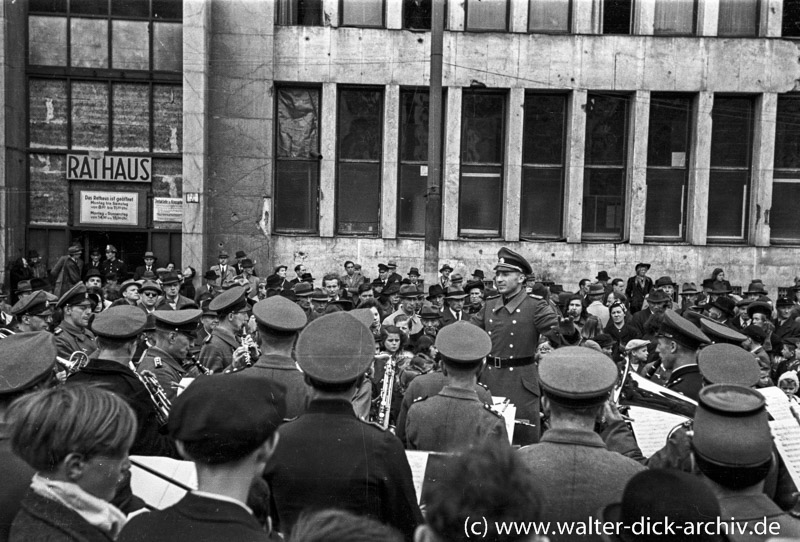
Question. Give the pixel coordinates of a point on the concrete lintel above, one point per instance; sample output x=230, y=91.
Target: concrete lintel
x=573, y=194
x=644, y=17
x=512, y=181
x=699, y=164
x=518, y=15
x=327, y=168
x=452, y=164
x=763, y=158
x=707, y=17
x=391, y=135
x=637, y=167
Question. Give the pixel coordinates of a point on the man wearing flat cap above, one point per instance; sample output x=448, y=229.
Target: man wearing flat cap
x=227, y=426
x=279, y=322
x=329, y=458
x=224, y=348
x=678, y=343
x=455, y=419
x=571, y=464
x=638, y=287
x=35, y=312
x=72, y=335
x=514, y=322
x=174, y=337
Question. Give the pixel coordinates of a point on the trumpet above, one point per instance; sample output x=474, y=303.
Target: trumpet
x=157, y=395
x=76, y=361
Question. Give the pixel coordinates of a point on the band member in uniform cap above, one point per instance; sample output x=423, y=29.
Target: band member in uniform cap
x=72, y=335
x=174, y=337
x=279, y=322
x=728, y=364
x=719, y=333
x=27, y=363
x=455, y=418
x=732, y=447
x=678, y=343
x=514, y=322
x=224, y=349
x=227, y=426
x=34, y=313
x=328, y=457
x=571, y=464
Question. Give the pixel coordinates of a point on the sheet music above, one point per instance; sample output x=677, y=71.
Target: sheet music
x=509, y=412
x=418, y=461
x=184, y=383
x=652, y=427
x=777, y=403
x=156, y=491
x=786, y=434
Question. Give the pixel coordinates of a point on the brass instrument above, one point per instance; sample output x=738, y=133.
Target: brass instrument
x=5, y=332
x=385, y=399
x=77, y=361
x=248, y=342
x=157, y=395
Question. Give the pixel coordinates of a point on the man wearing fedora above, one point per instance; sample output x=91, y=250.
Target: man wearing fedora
x=596, y=307
x=657, y=302
x=444, y=276
x=638, y=287
x=454, y=306
x=689, y=294
x=785, y=326
x=149, y=265
x=173, y=300
x=224, y=270
x=408, y=307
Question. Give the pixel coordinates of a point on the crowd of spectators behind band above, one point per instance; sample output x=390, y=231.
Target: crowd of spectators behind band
x=618, y=317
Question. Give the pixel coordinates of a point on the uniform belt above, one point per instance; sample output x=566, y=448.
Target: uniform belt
x=503, y=363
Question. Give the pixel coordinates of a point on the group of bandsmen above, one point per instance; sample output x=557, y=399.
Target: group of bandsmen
x=304, y=401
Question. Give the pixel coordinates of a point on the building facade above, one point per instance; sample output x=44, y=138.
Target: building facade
x=585, y=134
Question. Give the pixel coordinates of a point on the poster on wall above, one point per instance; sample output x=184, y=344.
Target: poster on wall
x=167, y=210
x=109, y=208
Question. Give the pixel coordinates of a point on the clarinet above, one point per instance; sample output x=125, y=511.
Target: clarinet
x=157, y=395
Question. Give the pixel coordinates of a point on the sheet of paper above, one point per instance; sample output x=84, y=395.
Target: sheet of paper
x=777, y=403
x=786, y=434
x=418, y=461
x=652, y=427
x=184, y=383
x=159, y=491
x=509, y=412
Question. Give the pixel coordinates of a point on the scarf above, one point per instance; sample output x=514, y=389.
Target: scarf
x=103, y=515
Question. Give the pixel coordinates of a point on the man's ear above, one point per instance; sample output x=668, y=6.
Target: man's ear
x=266, y=450
x=74, y=465
x=545, y=405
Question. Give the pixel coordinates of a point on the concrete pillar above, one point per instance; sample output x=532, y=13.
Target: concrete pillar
x=707, y=17
x=644, y=17
x=394, y=15
x=451, y=175
x=771, y=18
x=699, y=164
x=391, y=135
x=327, y=167
x=456, y=16
x=636, y=202
x=512, y=182
x=583, y=17
x=196, y=39
x=573, y=184
x=763, y=159
x=518, y=16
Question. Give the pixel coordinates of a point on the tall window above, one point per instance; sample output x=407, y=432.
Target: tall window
x=366, y=13
x=543, y=166
x=617, y=16
x=604, y=170
x=359, y=140
x=482, y=129
x=548, y=16
x=738, y=18
x=675, y=17
x=487, y=15
x=297, y=159
x=413, y=181
x=729, y=183
x=667, y=166
x=791, y=19
x=299, y=12
x=417, y=14
x=784, y=225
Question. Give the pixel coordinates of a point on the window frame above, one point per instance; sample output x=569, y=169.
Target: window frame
x=781, y=175
x=693, y=31
x=278, y=12
x=630, y=20
x=343, y=24
x=483, y=30
x=570, y=8
x=757, y=23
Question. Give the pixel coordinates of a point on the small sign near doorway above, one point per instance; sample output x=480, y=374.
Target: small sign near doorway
x=109, y=208
x=167, y=210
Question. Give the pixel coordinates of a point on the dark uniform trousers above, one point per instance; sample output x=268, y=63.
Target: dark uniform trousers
x=217, y=353
x=195, y=518
x=168, y=371
x=453, y=420
x=70, y=338
x=328, y=458
x=284, y=371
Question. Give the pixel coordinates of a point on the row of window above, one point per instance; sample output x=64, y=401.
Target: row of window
x=672, y=17
x=359, y=144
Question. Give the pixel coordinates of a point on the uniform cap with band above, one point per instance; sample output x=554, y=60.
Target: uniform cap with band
x=682, y=331
x=335, y=349
x=75, y=296
x=575, y=376
x=183, y=321
x=462, y=342
x=120, y=322
x=508, y=260
x=36, y=304
x=719, y=333
x=25, y=360
x=280, y=314
x=728, y=364
x=231, y=300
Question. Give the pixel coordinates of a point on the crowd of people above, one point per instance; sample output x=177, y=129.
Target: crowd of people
x=307, y=395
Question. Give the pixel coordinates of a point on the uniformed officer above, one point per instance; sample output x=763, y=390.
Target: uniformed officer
x=719, y=333
x=34, y=312
x=728, y=364
x=279, y=321
x=72, y=335
x=571, y=464
x=224, y=349
x=455, y=419
x=175, y=333
x=514, y=322
x=112, y=264
x=732, y=447
x=329, y=458
x=678, y=343
x=226, y=426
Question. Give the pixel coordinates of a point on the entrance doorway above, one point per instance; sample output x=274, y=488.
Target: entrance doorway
x=130, y=246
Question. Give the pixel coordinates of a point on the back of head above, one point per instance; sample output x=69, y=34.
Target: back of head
x=341, y=526
x=489, y=482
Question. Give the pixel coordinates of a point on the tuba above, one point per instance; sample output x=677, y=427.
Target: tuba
x=157, y=395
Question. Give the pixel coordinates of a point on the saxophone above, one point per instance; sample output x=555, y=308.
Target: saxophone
x=385, y=399
x=157, y=395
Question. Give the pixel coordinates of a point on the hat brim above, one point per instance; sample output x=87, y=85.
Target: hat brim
x=456, y=297
x=509, y=267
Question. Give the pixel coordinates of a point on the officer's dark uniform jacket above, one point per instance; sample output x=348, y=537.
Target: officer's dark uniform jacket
x=122, y=381
x=284, y=371
x=167, y=369
x=117, y=266
x=70, y=338
x=217, y=352
x=686, y=380
x=452, y=420
x=328, y=458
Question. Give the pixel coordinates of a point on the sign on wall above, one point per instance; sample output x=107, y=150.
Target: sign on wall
x=85, y=167
x=167, y=210
x=109, y=208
